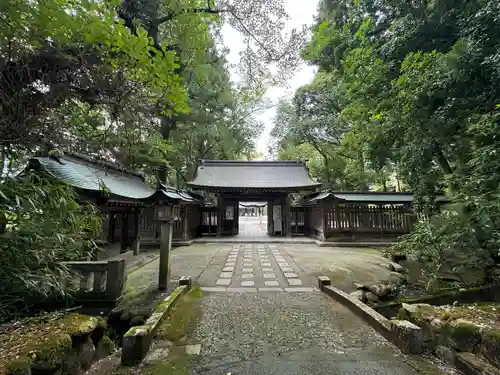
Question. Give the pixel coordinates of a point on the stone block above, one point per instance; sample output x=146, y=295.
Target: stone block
x=137, y=340
x=135, y=345
x=323, y=281
x=408, y=336
x=187, y=281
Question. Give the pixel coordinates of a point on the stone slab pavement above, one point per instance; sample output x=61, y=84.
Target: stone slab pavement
x=262, y=314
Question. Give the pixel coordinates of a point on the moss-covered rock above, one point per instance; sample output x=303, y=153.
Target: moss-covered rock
x=71, y=366
x=104, y=348
x=21, y=366
x=490, y=346
x=78, y=325
x=51, y=355
x=463, y=335
x=85, y=353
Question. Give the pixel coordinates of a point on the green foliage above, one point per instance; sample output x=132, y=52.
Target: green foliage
x=44, y=224
x=408, y=92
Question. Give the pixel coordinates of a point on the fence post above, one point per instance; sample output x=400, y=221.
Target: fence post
x=115, y=278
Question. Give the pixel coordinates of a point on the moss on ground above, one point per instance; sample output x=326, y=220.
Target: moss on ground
x=182, y=318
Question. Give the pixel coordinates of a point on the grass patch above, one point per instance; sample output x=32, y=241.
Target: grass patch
x=182, y=318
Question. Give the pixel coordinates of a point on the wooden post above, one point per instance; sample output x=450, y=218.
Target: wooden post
x=111, y=227
x=136, y=238
x=288, y=216
x=124, y=241
x=270, y=224
x=185, y=218
x=166, y=228
x=220, y=215
x=322, y=222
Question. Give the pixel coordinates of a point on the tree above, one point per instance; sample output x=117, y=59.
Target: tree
x=416, y=86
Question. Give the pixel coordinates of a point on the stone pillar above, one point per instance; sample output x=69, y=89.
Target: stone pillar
x=124, y=240
x=166, y=229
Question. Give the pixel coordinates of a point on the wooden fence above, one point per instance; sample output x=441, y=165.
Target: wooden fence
x=351, y=221
x=98, y=281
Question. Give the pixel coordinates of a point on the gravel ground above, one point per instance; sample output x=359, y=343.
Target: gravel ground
x=343, y=265
x=291, y=333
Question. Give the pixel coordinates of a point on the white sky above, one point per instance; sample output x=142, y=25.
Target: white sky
x=300, y=12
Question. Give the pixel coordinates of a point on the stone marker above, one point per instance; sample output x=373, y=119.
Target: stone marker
x=323, y=281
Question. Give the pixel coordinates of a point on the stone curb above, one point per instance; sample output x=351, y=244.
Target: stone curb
x=403, y=334
x=137, y=341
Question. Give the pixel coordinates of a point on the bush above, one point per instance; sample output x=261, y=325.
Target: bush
x=447, y=247
x=43, y=225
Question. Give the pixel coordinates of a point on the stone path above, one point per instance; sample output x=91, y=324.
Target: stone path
x=258, y=268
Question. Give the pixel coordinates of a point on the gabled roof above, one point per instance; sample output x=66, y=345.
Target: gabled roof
x=83, y=172
x=236, y=175
x=180, y=195
x=358, y=197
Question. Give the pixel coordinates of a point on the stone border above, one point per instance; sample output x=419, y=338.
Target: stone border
x=403, y=334
x=137, y=341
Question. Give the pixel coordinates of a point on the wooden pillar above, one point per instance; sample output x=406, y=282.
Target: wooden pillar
x=185, y=218
x=124, y=240
x=136, y=238
x=166, y=229
x=111, y=227
x=270, y=226
x=322, y=222
x=220, y=215
x=288, y=217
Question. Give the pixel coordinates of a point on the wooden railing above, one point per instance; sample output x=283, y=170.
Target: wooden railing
x=380, y=220
x=99, y=281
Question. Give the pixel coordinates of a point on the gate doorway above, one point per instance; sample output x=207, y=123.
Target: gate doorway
x=252, y=221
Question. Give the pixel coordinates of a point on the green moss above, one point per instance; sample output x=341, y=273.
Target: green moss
x=52, y=353
x=79, y=325
x=182, y=318
x=107, y=344
x=136, y=302
x=102, y=323
x=21, y=366
x=135, y=330
x=178, y=363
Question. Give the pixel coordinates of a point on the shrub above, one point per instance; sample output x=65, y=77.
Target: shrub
x=44, y=224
